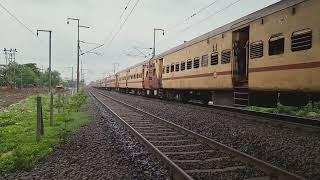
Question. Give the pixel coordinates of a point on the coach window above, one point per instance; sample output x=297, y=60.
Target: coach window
x=204, y=60
x=189, y=64
x=214, y=58
x=276, y=45
x=172, y=67
x=301, y=40
x=177, y=67
x=183, y=66
x=225, y=56
x=196, y=62
x=256, y=50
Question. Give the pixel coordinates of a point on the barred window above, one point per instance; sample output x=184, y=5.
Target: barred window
x=276, y=45
x=256, y=50
x=172, y=67
x=189, y=64
x=301, y=40
x=204, y=60
x=183, y=66
x=225, y=56
x=167, y=69
x=196, y=62
x=177, y=67
x=214, y=58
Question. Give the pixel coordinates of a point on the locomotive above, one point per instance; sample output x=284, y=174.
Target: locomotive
x=269, y=56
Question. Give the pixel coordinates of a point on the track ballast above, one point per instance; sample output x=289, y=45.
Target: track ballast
x=188, y=154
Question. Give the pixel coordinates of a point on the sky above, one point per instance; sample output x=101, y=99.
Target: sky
x=126, y=32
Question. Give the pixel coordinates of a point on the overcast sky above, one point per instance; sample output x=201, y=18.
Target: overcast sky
x=103, y=16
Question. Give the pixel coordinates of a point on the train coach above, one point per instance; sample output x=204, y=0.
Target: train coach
x=269, y=56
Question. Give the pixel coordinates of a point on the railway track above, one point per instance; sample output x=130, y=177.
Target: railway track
x=189, y=155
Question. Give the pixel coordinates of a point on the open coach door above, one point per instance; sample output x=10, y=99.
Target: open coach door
x=240, y=41
x=240, y=66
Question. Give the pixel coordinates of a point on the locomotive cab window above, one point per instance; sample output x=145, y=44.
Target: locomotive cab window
x=256, y=50
x=276, y=45
x=183, y=66
x=196, y=63
x=204, y=60
x=189, y=64
x=225, y=56
x=301, y=40
x=214, y=58
x=177, y=67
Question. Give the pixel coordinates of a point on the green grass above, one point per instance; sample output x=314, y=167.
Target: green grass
x=309, y=111
x=18, y=147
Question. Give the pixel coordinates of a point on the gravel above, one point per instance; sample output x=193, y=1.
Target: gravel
x=294, y=149
x=103, y=149
x=135, y=118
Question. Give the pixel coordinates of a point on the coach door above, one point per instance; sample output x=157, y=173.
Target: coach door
x=240, y=52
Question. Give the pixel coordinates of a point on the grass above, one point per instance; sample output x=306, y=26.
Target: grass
x=308, y=111
x=18, y=147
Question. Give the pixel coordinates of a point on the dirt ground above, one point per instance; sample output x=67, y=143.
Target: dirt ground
x=10, y=96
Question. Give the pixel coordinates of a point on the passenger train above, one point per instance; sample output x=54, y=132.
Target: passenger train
x=269, y=56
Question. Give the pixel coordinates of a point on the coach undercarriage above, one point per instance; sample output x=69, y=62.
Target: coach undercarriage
x=227, y=97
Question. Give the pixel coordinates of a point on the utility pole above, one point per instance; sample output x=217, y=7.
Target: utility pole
x=6, y=55
x=21, y=79
x=78, y=47
x=114, y=67
x=81, y=73
x=50, y=89
x=154, y=40
x=10, y=56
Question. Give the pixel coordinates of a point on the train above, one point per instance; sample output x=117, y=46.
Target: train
x=268, y=57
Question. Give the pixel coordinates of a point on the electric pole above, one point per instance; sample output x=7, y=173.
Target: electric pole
x=50, y=89
x=78, y=47
x=154, y=40
x=114, y=67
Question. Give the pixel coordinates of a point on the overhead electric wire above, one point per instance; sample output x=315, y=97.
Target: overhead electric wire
x=123, y=23
x=215, y=13
x=124, y=10
x=191, y=16
x=17, y=19
x=113, y=37
x=204, y=19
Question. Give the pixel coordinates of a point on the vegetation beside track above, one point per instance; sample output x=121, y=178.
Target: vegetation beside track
x=18, y=147
x=308, y=111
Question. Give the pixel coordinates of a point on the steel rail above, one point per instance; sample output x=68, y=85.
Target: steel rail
x=176, y=171
x=268, y=168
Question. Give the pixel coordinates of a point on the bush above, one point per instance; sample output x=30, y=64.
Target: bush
x=18, y=147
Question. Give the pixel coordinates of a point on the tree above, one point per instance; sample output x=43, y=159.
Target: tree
x=27, y=75
x=55, y=78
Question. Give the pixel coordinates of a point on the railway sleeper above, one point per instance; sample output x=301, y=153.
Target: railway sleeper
x=211, y=164
x=188, y=147
x=172, y=142
x=172, y=137
x=236, y=172
x=159, y=134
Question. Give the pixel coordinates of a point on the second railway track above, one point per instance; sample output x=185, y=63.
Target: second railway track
x=189, y=155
